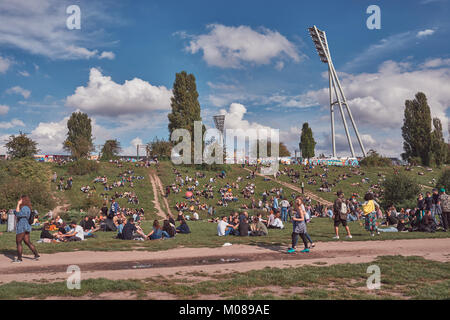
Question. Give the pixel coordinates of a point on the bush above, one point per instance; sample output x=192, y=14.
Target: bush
x=375, y=160
x=401, y=191
x=444, y=180
x=25, y=177
x=83, y=167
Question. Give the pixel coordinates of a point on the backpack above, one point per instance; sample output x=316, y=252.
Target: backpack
x=30, y=218
x=445, y=202
x=343, y=211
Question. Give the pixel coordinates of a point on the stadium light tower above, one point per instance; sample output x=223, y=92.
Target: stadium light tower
x=320, y=41
x=219, y=122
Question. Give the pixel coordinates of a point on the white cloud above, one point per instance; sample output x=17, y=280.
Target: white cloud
x=4, y=64
x=234, y=118
x=434, y=63
x=19, y=90
x=230, y=47
x=39, y=27
x=103, y=96
x=107, y=55
x=50, y=136
x=425, y=33
x=24, y=73
x=4, y=109
x=132, y=149
x=11, y=124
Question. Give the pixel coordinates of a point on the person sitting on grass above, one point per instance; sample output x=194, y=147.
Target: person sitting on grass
x=224, y=228
x=258, y=228
x=169, y=228
x=130, y=229
x=183, y=227
x=157, y=233
x=76, y=233
x=276, y=222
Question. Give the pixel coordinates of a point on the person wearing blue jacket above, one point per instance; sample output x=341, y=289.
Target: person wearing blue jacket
x=23, y=228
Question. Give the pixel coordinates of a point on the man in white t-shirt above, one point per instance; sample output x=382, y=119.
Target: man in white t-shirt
x=223, y=227
x=76, y=233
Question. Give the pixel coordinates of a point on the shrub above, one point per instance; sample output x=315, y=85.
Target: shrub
x=83, y=167
x=25, y=177
x=373, y=159
x=444, y=180
x=401, y=191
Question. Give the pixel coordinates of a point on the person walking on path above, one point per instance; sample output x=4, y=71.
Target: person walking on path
x=303, y=187
x=299, y=227
x=23, y=228
x=340, y=211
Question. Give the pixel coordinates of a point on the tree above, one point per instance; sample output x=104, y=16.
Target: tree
x=373, y=159
x=438, y=145
x=185, y=105
x=282, y=150
x=79, y=137
x=110, y=150
x=307, y=142
x=444, y=180
x=160, y=148
x=400, y=190
x=21, y=146
x=416, y=130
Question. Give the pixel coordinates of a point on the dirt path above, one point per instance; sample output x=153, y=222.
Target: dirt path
x=182, y=262
x=295, y=188
x=158, y=187
x=158, y=209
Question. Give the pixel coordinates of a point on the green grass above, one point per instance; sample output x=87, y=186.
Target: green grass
x=401, y=278
x=77, y=199
x=371, y=173
x=204, y=234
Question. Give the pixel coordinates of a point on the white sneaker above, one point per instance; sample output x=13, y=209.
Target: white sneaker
x=349, y=237
x=336, y=237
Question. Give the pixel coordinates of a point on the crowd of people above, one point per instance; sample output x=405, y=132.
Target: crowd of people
x=273, y=208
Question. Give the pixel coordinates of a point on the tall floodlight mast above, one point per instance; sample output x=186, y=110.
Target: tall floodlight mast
x=320, y=41
x=219, y=122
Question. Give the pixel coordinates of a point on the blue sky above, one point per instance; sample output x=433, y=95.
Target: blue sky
x=253, y=60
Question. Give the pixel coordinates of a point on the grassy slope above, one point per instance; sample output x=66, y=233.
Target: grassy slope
x=371, y=173
x=401, y=278
x=76, y=198
x=203, y=233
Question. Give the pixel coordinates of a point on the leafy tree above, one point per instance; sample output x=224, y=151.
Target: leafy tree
x=400, y=190
x=160, y=148
x=110, y=150
x=438, y=145
x=282, y=150
x=79, y=135
x=373, y=159
x=185, y=105
x=307, y=142
x=416, y=130
x=444, y=180
x=21, y=146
